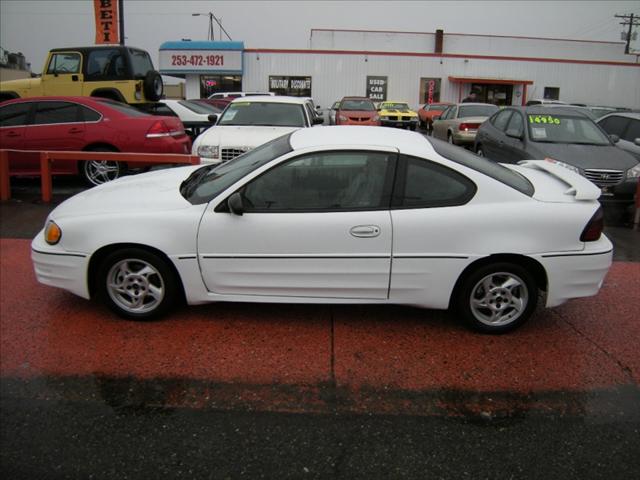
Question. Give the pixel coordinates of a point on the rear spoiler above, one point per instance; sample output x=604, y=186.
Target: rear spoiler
x=579, y=186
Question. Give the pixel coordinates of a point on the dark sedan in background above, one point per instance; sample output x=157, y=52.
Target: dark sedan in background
x=626, y=126
x=566, y=136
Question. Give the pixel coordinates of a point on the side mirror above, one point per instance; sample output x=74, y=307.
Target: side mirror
x=614, y=138
x=637, y=141
x=318, y=120
x=235, y=204
x=513, y=133
x=213, y=118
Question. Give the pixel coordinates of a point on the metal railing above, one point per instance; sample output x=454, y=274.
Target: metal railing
x=47, y=156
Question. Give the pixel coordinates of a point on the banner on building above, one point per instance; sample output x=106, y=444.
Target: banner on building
x=377, y=88
x=107, y=27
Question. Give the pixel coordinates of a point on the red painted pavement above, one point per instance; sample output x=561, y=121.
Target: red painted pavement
x=586, y=344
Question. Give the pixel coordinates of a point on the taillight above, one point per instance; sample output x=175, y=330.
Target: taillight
x=158, y=129
x=468, y=126
x=593, y=230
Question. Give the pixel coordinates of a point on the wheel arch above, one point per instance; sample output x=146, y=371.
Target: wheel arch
x=531, y=265
x=8, y=95
x=112, y=93
x=99, y=255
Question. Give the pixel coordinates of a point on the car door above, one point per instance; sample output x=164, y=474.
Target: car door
x=56, y=125
x=491, y=137
x=63, y=76
x=440, y=125
x=316, y=225
x=13, y=120
x=428, y=215
x=514, y=149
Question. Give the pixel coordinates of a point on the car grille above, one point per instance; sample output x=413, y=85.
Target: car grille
x=231, y=153
x=406, y=118
x=604, y=178
x=360, y=119
x=392, y=117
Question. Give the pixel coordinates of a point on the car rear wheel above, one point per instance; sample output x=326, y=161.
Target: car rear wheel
x=479, y=151
x=497, y=298
x=97, y=172
x=137, y=284
x=450, y=139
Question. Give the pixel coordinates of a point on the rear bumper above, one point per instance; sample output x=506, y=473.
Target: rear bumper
x=464, y=138
x=576, y=274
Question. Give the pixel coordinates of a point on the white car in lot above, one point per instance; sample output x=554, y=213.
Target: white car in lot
x=251, y=121
x=335, y=215
x=190, y=112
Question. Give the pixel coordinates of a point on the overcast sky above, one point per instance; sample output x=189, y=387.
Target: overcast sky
x=32, y=27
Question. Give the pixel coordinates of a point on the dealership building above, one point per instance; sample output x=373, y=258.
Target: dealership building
x=414, y=67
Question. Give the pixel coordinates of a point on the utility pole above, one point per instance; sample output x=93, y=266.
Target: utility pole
x=212, y=17
x=121, y=20
x=631, y=20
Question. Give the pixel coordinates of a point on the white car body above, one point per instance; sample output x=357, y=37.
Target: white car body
x=185, y=114
x=413, y=256
x=233, y=140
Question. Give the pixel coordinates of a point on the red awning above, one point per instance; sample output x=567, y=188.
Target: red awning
x=490, y=81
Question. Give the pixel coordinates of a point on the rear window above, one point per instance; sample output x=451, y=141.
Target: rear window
x=122, y=108
x=477, y=111
x=484, y=166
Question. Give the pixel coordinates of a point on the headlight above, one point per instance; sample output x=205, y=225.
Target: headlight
x=565, y=165
x=376, y=118
x=209, y=151
x=634, y=172
x=52, y=233
x=343, y=118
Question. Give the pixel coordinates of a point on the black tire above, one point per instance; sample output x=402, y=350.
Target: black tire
x=152, y=86
x=412, y=128
x=137, y=284
x=450, y=139
x=96, y=172
x=485, y=302
x=479, y=151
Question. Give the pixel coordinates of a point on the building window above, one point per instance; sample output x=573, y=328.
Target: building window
x=210, y=84
x=551, y=93
x=292, y=86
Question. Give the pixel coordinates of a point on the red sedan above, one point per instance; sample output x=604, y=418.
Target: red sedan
x=87, y=124
x=428, y=111
x=357, y=111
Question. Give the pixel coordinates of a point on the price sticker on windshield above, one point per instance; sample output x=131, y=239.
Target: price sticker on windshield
x=544, y=119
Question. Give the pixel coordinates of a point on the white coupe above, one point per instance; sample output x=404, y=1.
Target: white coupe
x=335, y=215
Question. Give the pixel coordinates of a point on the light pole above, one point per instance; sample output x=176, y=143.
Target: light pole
x=212, y=17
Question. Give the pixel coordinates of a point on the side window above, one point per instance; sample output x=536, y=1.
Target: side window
x=500, y=119
x=310, y=114
x=444, y=115
x=67, y=62
x=615, y=125
x=633, y=131
x=56, y=112
x=89, y=115
x=327, y=181
x=105, y=63
x=14, y=115
x=425, y=184
x=516, y=123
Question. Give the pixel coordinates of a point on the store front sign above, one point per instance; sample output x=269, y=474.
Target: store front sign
x=201, y=60
x=293, y=86
x=377, y=88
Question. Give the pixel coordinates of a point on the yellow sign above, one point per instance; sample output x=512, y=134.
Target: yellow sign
x=544, y=119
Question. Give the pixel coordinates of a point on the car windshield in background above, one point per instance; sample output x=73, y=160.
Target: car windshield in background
x=363, y=105
x=477, y=111
x=123, y=108
x=549, y=128
x=141, y=62
x=205, y=184
x=199, y=107
x=394, y=106
x=484, y=166
x=263, y=113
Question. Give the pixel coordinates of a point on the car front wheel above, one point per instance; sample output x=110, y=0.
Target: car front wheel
x=497, y=298
x=137, y=284
x=479, y=151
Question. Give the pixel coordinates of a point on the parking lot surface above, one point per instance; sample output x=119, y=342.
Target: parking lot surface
x=303, y=391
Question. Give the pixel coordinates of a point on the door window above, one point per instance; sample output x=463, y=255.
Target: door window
x=56, y=112
x=67, y=62
x=516, y=123
x=327, y=181
x=500, y=120
x=14, y=115
x=614, y=125
x=424, y=184
x=89, y=115
x=633, y=131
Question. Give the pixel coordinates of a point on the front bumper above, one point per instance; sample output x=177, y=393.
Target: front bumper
x=56, y=267
x=400, y=123
x=623, y=193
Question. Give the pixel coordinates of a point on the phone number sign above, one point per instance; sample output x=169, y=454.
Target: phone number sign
x=201, y=60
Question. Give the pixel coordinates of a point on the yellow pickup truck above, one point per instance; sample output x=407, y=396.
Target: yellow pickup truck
x=121, y=73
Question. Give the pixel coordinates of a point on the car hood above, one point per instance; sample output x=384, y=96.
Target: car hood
x=21, y=83
x=398, y=111
x=588, y=156
x=240, y=136
x=146, y=192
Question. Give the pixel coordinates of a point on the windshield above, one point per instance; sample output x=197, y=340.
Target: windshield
x=206, y=183
x=565, y=129
x=199, y=107
x=364, y=105
x=394, y=106
x=477, y=111
x=140, y=62
x=263, y=113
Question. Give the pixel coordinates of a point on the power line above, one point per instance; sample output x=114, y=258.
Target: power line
x=631, y=20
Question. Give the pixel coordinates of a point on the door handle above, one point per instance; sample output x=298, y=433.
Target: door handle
x=365, y=231
x=13, y=134
x=75, y=130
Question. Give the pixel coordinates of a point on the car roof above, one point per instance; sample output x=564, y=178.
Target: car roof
x=464, y=104
x=633, y=115
x=551, y=110
x=270, y=99
x=69, y=98
x=405, y=141
x=356, y=98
